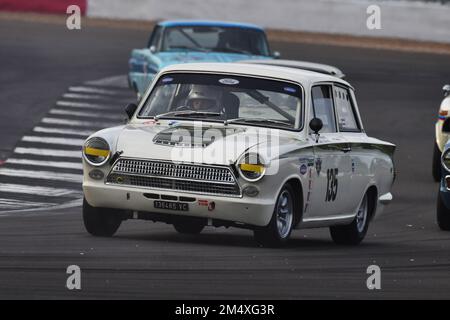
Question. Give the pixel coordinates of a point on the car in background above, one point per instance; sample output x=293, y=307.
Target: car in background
x=303, y=65
x=442, y=133
x=173, y=42
x=443, y=200
x=265, y=148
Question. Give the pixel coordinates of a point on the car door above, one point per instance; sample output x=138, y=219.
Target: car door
x=361, y=154
x=331, y=175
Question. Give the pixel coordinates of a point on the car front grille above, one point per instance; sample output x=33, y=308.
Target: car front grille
x=217, y=180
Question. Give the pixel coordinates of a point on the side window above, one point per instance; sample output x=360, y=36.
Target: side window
x=345, y=111
x=322, y=107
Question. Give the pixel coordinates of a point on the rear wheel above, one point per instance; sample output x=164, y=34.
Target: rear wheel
x=355, y=232
x=443, y=214
x=277, y=232
x=436, y=167
x=101, y=222
x=189, y=226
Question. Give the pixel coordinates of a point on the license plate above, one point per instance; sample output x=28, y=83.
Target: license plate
x=176, y=206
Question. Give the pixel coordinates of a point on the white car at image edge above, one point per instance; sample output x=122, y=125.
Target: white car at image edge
x=265, y=148
x=442, y=129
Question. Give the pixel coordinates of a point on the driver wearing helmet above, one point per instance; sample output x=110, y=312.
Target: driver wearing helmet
x=203, y=98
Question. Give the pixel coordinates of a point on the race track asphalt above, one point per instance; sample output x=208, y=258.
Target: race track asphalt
x=398, y=95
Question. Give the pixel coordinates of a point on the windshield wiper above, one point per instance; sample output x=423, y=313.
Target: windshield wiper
x=257, y=121
x=188, y=113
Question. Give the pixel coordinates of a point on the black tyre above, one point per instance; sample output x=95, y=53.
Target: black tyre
x=436, y=166
x=101, y=222
x=277, y=232
x=355, y=232
x=443, y=214
x=189, y=226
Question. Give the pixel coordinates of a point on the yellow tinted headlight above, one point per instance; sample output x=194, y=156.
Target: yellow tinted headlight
x=96, y=151
x=251, y=167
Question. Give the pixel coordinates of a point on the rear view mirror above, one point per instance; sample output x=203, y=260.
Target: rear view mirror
x=446, y=90
x=130, y=109
x=316, y=125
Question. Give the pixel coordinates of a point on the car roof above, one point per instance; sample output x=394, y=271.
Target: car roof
x=305, y=65
x=207, y=23
x=304, y=77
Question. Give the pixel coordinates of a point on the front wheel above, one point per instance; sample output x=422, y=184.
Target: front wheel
x=277, y=232
x=355, y=232
x=101, y=222
x=436, y=166
x=443, y=214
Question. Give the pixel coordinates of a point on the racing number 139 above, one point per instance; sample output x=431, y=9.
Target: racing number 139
x=332, y=184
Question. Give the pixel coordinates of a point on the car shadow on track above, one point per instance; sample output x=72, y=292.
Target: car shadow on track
x=236, y=240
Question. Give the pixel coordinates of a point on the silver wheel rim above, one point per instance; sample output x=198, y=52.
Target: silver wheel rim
x=361, y=216
x=284, y=213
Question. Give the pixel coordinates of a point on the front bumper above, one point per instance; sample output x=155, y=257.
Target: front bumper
x=244, y=210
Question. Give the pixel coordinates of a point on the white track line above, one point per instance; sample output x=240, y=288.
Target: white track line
x=37, y=190
x=81, y=96
x=14, y=204
x=49, y=152
x=82, y=105
x=48, y=210
x=115, y=81
x=43, y=163
x=93, y=90
x=93, y=115
x=78, y=123
x=45, y=175
x=83, y=133
x=54, y=140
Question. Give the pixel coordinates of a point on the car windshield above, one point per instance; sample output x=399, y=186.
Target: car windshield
x=225, y=98
x=216, y=39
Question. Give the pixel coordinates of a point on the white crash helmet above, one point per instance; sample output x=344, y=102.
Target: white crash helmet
x=203, y=98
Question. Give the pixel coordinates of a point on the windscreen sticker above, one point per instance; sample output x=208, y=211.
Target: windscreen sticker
x=229, y=81
x=167, y=79
x=290, y=89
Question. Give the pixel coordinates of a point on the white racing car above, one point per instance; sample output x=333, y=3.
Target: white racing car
x=442, y=132
x=260, y=147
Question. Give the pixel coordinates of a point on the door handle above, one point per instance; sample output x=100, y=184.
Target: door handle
x=346, y=149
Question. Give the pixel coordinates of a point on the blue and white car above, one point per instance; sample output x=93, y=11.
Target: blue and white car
x=174, y=42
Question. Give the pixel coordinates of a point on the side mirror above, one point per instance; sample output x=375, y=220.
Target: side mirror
x=276, y=54
x=130, y=109
x=152, y=49
x=316, y=125
x=446, y=90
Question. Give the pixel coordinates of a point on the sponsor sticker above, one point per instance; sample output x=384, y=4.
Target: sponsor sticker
x=229, y=81
x=167, y=79
x=290, y=89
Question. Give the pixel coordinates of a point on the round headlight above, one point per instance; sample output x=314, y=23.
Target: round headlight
x=251, y=167
x=96, y=151
x=445, y=160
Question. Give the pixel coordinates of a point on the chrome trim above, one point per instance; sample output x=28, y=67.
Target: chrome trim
x=447, y=188
x=89, y=161
x=232, y=181
x=385, y=198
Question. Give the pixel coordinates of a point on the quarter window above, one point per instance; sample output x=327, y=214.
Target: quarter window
x=345, y=111
x=322, y=104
